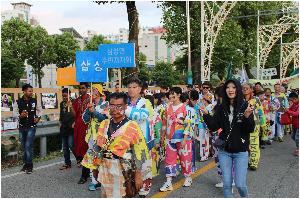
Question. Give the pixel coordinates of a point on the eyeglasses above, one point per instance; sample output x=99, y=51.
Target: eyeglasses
x=205, y=87
x=117, y=106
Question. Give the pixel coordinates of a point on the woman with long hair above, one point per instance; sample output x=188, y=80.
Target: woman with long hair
x=234, y=120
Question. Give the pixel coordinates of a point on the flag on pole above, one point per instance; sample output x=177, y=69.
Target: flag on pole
x=244, y=76
x=229, y=71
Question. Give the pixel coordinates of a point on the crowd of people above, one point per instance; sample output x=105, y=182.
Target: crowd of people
x=122, y=140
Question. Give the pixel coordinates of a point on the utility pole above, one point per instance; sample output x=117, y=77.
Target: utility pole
x=202, y=41
x=257, y=49
x=189, y=74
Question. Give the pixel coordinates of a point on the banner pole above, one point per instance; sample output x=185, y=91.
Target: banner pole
x=91, y=101
x=68, y=99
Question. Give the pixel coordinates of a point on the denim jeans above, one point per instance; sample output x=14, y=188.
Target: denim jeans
x=27, y=137
x=295, y=136
x=68, y=143
x=240, y=163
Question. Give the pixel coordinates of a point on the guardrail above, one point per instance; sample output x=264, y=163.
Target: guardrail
x=43, y=130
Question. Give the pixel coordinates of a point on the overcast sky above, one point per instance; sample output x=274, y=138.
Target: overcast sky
x=87, y=15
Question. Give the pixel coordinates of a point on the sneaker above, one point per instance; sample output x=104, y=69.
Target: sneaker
x=252, y=168
x=94, y=187
x=203, y=159
x=24, y=168
x=166, y=187
x=219, y=185
x=280, y=139
x=188, y=182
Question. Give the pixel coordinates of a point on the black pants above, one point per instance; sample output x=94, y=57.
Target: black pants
x=85, y=173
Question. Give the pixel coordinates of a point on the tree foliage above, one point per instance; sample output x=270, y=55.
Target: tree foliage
x=95, y=42
x=236, y=42
x=165, y=74
x=15, y=41
x=65, y=47
x=41, y=51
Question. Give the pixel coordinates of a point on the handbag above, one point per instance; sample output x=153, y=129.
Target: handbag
x=285, y=119
x=129, y=177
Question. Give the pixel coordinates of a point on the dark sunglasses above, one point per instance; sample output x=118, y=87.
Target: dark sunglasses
x=205, y=87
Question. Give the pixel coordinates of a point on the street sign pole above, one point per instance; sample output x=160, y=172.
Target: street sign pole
x=190, y=74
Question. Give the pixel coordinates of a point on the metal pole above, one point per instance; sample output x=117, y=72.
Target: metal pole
x=257, y=49
x=189, y=43
x=202, y=41
x=280, y=69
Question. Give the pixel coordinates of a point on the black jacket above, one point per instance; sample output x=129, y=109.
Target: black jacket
x=238, y=141
x=66, y=119
x=29, y=106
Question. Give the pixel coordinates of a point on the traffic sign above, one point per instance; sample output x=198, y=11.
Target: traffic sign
x=117, y=55
x=89, y=68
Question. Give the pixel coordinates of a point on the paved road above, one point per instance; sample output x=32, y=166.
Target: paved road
x=277, y=176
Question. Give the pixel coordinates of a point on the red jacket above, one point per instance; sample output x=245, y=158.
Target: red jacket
x=294, y=112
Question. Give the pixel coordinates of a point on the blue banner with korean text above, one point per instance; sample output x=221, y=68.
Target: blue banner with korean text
x=89, y=68
x=117, y=55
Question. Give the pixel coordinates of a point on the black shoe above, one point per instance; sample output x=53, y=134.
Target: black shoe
x=252, y=168
x=82, y=181
x=268, y=142
x=262, y=147
x=29, y=170
x=24, y=168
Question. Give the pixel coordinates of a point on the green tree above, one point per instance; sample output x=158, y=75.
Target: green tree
x=165, y=74
x=249, y=24
x=95, y=42
x=144, y=73
x=65, y=47
x=15, y=38
x=11, y=67
x=41, y=50
x=237, y=39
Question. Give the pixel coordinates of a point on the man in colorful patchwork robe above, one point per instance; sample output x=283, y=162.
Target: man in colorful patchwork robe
x=120, y=147
x=260, y=126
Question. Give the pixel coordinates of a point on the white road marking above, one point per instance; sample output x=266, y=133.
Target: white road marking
x=35, y=169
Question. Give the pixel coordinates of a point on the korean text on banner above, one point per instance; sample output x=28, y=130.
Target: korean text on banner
x=88, y=68
x=117, y=55
x=66, y=76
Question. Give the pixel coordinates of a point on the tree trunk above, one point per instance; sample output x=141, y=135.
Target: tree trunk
x=39, y=78
x=247, y=68
x=133, y=20
x=17, y=83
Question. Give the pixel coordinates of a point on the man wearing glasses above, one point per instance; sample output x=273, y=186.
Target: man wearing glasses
x=121, y=147
x=206, y=90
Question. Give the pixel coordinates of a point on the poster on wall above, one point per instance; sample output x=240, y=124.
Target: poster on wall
x=49, y=100
x=7, y=101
